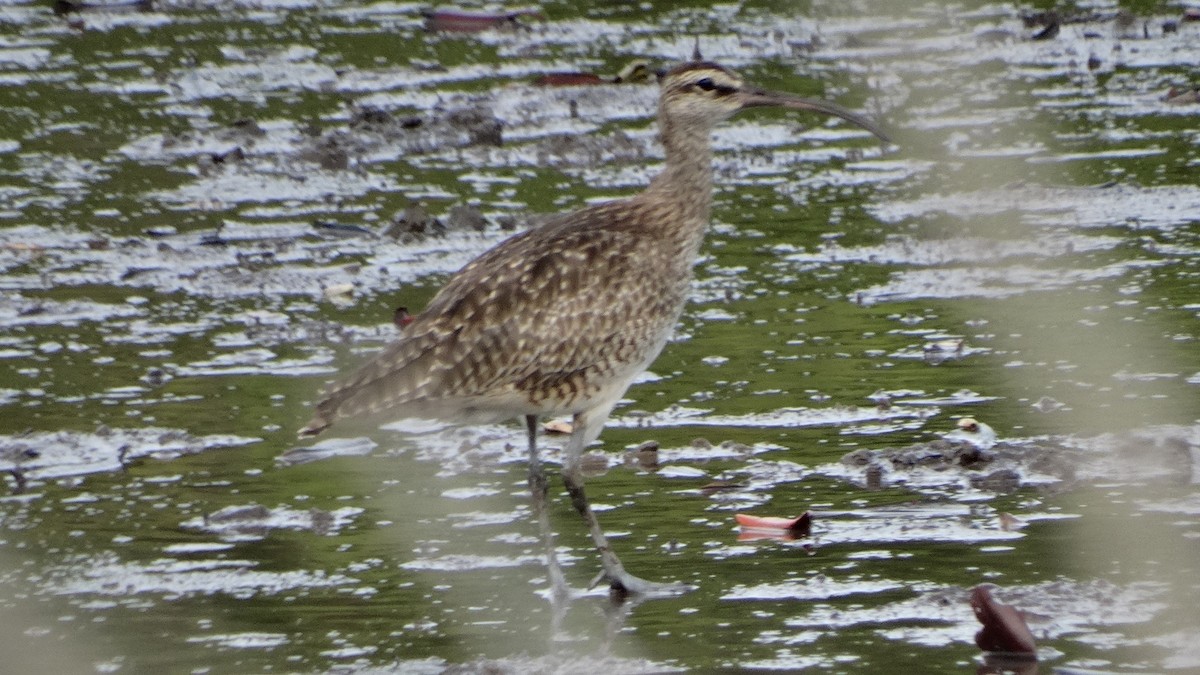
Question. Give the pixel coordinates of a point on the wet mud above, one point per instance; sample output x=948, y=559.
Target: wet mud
x=208, y=210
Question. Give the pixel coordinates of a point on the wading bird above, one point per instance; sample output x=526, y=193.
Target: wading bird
x=558, y=320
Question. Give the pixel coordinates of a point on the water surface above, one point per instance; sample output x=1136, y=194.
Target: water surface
x=195, y=208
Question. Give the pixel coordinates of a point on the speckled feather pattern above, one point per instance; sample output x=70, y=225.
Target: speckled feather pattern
x=546, y=323
x=561, y=318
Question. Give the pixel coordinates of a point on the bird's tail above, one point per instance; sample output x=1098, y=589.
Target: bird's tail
x=402, y=372
x=315, y=426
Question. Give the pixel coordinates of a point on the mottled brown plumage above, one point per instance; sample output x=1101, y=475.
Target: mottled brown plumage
x=527, y=329
x=559, y=319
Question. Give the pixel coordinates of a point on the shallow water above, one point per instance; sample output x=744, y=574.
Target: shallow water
x=194, y=217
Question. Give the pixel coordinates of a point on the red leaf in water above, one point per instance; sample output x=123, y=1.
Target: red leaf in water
x=796, y=527
x=568, y=79
x=451, y=21
x=402, y=318
x=1182, y=96
x=1004, y=630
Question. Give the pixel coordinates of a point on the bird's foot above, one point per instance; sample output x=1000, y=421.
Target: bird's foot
x=313, y=428
x=623, y=582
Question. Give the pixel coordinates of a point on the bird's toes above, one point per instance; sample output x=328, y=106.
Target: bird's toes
x=314, y=427
x=623, y=582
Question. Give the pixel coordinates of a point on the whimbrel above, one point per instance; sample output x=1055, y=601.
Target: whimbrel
x=558, y=320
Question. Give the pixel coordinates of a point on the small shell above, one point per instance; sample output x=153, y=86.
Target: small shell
x=339, y=292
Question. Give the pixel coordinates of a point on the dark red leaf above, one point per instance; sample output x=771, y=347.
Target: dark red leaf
x=1004, y=629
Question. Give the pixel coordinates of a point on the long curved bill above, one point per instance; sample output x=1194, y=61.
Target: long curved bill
x=758, y=98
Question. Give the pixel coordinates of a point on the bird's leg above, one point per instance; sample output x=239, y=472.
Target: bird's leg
x=539, y=489
x=586, y=428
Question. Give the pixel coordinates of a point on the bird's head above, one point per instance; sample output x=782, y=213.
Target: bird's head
x=705, y=93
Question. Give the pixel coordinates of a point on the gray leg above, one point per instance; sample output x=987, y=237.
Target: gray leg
x=586, y=428
x=539, y=489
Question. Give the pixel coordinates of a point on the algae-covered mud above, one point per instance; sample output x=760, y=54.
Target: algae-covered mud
x=209, y=210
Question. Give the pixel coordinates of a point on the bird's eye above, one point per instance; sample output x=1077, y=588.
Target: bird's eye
x=706, y=84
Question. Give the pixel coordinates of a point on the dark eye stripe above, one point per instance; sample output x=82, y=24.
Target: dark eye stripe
x=706, y=84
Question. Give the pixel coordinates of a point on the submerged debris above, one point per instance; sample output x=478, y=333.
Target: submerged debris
x=464, y=217
x=454, y=21
x=63, y=7
x=575, y=150
x=211, y=161
x=644, y=456
x=476, y=126
x=1163, y=454
x=332, y=152
x=375, y=118
x=156, y=377
x=371, y=130
x=1001, y=481
x=12, y=460
x=939, y=455
x=413, y=223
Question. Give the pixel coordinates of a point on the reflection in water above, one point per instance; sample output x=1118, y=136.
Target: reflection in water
x=1059, y=328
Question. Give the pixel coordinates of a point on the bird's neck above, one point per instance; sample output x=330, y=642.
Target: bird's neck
x=687, y=178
